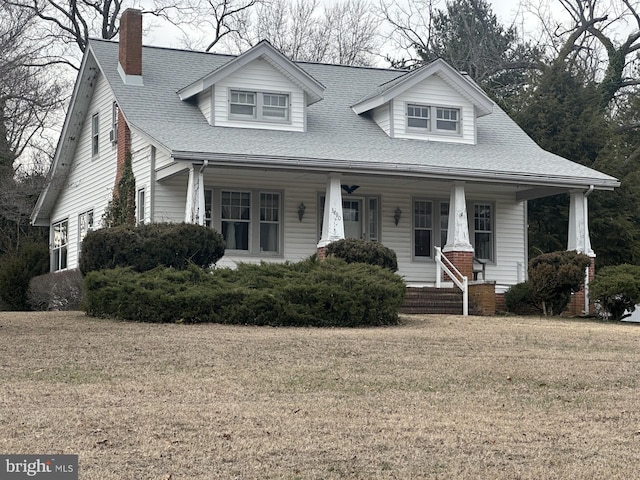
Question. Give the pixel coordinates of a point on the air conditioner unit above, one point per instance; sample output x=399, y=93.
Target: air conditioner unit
x=113, y=135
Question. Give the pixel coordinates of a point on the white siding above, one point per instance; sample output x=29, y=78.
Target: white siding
x=204, y=104
x=382, y=118
x=170, y=199
x=301, y=237
x=435, y=92
x=259, y=76
x=89, y=185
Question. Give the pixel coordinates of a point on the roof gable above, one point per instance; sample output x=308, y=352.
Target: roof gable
x=266, y=51
x=461, y=83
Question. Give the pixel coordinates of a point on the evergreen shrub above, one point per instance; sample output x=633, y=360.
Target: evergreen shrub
x=353, y=250
x=145, y=247
x=554, y=276
x=322, y=294
x=521, y=300
x=16, y=271
x=56, y=291
x=617, y=290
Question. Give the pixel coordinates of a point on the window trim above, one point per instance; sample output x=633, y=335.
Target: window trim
x=436, y=226
x=89, y=215
x=473, y=231
x=213, y=218
x=95, y=134
x=258, y=108
x=141, y=202
x=56, y=260
x=432, y=119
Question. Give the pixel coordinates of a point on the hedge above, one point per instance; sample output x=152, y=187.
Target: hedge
x=310, y=293
x=148, y=246
x=353, y=250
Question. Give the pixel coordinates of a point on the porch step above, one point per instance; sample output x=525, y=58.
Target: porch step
x=428, y=300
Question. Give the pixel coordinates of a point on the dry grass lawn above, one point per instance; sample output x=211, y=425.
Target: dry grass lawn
x=437, y=397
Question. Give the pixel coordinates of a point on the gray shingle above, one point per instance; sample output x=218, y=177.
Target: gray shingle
x=335, y=133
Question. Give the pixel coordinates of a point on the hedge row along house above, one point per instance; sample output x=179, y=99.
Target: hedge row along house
x=286, y=157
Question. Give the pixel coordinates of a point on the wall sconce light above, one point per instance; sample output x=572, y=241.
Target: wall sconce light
x=396, y=215
x=301, y=209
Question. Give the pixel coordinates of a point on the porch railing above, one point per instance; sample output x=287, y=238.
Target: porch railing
x=461, y=281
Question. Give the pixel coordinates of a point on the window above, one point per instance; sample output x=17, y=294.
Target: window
x=418, y=116
x=269, y=222
x=85, y=224
x=422, y=228
x=95, y=134
x=141, y=206
x=447, y=120
x=250, y=221
x=59, y=248
x=483, y=230
x=444, y=223
x=261, y=106
x=243, y=103
x=236, y=215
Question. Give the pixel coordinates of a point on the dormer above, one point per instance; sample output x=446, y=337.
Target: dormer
x=259, y=89
x=434, y=103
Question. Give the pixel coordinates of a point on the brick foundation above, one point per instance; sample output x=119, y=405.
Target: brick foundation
x=501, y=304
x=576, y=304
x=463, y=261
x=483, y=295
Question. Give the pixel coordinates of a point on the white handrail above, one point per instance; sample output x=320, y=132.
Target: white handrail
x=462, y=282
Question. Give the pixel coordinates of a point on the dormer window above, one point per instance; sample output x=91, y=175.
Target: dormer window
x=419, y=118
x=448, y=119
x=261, y=106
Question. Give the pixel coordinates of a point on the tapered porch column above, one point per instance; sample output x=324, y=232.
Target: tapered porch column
x=458, y=249
x=194, y=209
x=580, y=241
x=332, y=221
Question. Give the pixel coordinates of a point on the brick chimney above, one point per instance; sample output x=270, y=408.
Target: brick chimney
x=130, y=55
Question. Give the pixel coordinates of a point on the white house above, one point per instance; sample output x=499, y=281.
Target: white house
x=285, y=157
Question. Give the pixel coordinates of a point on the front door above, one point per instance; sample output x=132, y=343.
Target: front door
x=352, y=214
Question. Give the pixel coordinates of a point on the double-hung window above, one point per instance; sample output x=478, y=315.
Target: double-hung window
x=448, y=119
x=60, y=245
x=250, y=221
x=483, y=230
x=95, y=134
x=261, y=106
x=141, y=206
x=422, y=228
x=85, y=225
x=419, y=119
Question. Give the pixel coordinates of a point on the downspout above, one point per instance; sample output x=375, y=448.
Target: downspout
x=586, y=245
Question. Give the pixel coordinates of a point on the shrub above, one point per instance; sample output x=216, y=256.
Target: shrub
x=353, y=250
x=617, y=290
x=145, y=247
x=520, y=299
x=16, y=271
x=554, y=276
x=56, y=291
x=330, y=293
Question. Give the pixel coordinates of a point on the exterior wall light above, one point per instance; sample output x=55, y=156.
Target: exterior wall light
x=301, y=209
x=396, y=215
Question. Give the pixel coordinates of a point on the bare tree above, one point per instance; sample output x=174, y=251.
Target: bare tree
x=345, y=32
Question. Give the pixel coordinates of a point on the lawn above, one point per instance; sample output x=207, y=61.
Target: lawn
x=436, y=397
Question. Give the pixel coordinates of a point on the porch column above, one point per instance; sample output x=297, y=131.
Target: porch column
x=580, y=241
x=332, y=221
x=458, y=249
x=194, y=208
